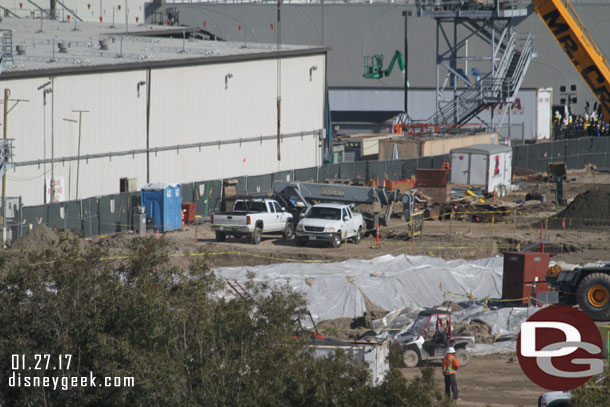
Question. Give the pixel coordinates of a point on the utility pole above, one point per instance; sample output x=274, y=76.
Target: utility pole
x=52, y=140
x=6, y=157
x=279, y=80
x=80, y=124
x=7, y=92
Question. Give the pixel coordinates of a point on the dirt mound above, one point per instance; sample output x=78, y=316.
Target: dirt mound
x=591, y=208
x=343, y=328
x=353, y=328
x=116, y=241
x=40, y=237
x=479, y=330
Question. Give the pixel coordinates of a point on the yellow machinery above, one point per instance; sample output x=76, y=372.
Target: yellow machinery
x=568, y=30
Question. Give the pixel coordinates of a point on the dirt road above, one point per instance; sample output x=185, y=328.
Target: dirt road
x=491, y=380
x=440, y=239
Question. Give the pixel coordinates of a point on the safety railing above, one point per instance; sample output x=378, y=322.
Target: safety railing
x=469, y=5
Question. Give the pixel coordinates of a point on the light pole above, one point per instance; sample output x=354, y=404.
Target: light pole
x=70, y=165
x=406, y=14
x=80, y=126
x=45, y=91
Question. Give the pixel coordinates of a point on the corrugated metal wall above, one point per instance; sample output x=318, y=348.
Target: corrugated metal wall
x=188, y=105
x=240, y=106
x=116, y=122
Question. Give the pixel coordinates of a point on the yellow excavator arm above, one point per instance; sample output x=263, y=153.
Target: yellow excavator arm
x=568, y=30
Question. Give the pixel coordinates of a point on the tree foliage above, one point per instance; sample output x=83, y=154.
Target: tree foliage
x=596, y=392
x=185, y=342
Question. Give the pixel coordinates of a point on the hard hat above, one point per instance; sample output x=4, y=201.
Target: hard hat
x=451, y=349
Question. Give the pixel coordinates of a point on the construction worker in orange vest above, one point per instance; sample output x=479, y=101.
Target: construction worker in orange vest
x=450, y=367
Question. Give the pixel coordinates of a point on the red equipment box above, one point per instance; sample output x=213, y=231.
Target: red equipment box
x=520, y=272
x=190, y=213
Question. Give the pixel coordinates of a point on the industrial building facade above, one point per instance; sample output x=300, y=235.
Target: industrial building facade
x=354, y=30
x=171, y=121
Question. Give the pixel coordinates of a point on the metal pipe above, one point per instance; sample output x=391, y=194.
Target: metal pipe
x=148, y=87
x=315, y=133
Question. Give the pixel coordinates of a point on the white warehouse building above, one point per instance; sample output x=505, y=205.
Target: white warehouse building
x=157, y=110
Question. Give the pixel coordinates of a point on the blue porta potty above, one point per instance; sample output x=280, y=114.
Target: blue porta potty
x=163, y=206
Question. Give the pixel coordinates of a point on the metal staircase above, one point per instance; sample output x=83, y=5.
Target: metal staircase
x=501, y=87
x=498, y=69
x=6, y=42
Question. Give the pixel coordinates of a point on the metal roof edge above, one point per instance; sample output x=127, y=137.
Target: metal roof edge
x=157, y=32
x=173, y=63
x=482, y=148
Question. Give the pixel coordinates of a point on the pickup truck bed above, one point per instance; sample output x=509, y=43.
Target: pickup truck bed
x=252, y=217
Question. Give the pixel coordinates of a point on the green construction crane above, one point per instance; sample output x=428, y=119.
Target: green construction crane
x=373, y=66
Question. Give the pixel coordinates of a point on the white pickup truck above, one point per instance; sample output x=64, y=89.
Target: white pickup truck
x=332, y=223
x=252, y=217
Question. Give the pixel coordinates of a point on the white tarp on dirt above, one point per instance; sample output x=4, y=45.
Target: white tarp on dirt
x=335, y=290
x=491, y=348
x=504, y=322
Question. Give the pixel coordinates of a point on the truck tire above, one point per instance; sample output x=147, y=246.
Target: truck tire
x=288, y=231
x=411, y=358
x=462, y=356
x=221, y=236
x=593, y=296
x=336, y=242
x=255, y=237
x=356, y=239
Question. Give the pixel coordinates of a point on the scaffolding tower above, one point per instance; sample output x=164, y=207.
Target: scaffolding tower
x=470, y=80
